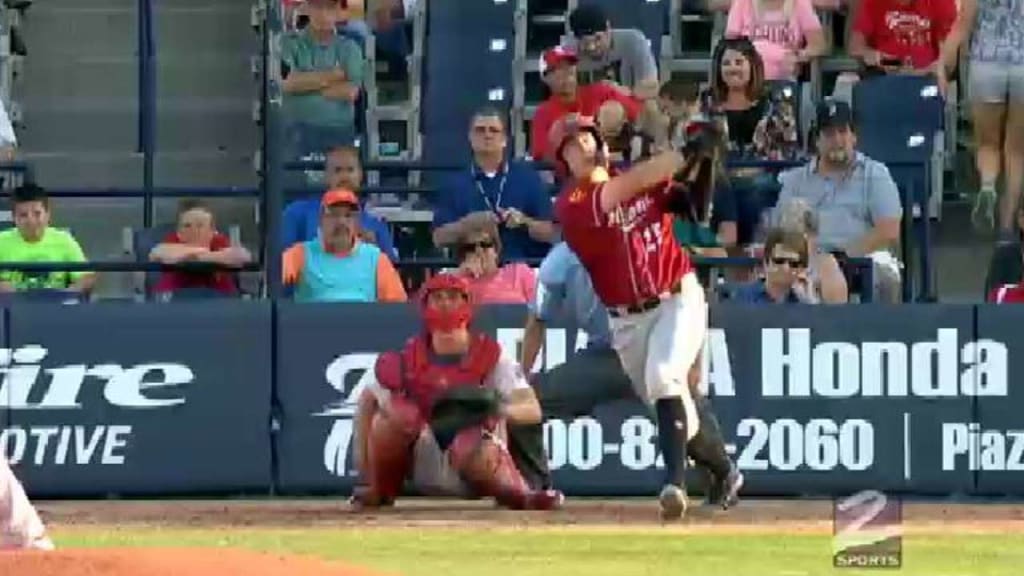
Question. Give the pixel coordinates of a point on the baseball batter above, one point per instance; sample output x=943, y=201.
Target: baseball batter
x=410, y=424
x=594, y=375
x=621, y=229
x=20, y=526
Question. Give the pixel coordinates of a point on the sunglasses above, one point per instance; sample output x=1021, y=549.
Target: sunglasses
x=791, y=262
x=474, y=246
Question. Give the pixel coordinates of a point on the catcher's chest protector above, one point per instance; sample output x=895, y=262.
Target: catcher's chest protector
x=424, y=380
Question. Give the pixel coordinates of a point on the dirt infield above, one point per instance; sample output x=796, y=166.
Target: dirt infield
x=167, y=562
x=750, y=515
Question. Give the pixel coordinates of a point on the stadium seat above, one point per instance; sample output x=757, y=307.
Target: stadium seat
x=470, y=46
x=899, y=100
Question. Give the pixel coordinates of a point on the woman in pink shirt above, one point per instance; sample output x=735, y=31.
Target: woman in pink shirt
x=787, y=33
x=479, y=255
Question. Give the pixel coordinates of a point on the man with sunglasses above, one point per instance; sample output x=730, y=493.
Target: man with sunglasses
x=785, y=272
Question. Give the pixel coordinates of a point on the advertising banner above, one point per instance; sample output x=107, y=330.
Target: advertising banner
x=325, y=357
x=991, y=443
x=129, y=399
x=809, y=402
x=834, y=400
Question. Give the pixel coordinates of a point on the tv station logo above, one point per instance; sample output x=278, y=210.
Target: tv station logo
x=867, y=531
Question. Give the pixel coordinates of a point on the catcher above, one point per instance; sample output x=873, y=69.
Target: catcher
x=437, y=411
x=20, y=526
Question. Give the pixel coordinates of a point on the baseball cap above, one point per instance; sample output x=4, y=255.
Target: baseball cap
x=833, y=114
x=339, y=196
x=555, y=57
x=588, y=19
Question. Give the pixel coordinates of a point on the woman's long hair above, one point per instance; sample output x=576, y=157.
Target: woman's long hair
x=743, y=45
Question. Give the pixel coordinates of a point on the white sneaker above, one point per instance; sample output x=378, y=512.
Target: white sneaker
x=673, y=502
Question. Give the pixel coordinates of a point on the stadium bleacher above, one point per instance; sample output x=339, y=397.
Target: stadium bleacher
x=461, y=56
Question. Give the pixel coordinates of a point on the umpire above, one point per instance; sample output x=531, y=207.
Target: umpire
x=594, y=376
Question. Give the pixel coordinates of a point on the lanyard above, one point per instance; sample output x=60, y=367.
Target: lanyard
x=496, y=206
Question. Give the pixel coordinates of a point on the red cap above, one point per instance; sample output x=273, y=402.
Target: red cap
x=339, y=196
x=555, y=57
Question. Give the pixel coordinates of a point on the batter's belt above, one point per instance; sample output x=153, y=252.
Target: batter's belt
x=646, y=305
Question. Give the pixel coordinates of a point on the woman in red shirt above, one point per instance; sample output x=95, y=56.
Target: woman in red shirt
x=197, y=240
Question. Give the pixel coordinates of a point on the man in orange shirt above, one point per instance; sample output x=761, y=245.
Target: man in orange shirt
x=558, y=69
x=337, y=266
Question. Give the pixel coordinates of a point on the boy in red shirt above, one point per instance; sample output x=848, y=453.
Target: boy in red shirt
x=558, y=69
x=197, y=240
x=901, y=35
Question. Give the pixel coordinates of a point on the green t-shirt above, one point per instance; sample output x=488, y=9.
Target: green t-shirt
x=55, y=246
x=300, y=52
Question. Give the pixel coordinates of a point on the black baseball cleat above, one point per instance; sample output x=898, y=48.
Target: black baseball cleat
x=731, y=488
x=725, y=493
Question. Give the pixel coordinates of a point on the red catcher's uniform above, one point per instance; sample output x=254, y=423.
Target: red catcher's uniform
x=413, y=373
x=630, y=253
x=1007, y=294
x=401, y=445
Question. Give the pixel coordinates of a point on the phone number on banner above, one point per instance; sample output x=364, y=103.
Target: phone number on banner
x=820, y=444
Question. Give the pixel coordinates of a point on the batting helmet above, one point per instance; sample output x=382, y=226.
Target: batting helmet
x=568, y=127
x=449, y=319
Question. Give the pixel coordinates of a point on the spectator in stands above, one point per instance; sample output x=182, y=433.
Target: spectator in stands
x=197, y=240
x=8, y=140
x=826, y=278
x=343, y=169
x=785, y=272
x=758, y=127
x=337, y=266
x=993, y=32
x=754, y=113
x=323, y=75
x=491, y=283
x=626, y=142
x=786, y=33
x=558, y=68
x=855, y=199
x=901, y=36
x=33, y=240
x=620, y=57
x=677, y=103
x=495, y=189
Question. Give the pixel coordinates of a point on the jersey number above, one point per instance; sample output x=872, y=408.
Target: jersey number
x=652, y=237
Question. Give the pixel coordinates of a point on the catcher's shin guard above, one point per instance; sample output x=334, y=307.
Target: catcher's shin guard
x=484, y=463
x=390, y=453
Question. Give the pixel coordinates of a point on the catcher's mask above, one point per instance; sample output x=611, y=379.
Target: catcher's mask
x=566, y=128
x=451, y=316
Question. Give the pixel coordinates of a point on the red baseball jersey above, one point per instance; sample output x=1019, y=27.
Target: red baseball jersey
x=630, y=253
x=1007, y=294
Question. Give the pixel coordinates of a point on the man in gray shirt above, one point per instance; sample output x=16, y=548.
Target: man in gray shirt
x=618, y=56
x=855, y=198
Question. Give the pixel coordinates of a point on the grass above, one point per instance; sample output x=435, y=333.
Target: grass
x=576, y=551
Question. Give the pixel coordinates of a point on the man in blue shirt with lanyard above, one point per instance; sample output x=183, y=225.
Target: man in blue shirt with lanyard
x=508, y=193
x=594, y=375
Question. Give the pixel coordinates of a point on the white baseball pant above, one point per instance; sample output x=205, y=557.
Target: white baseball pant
x=20, y=526
x=658, y=347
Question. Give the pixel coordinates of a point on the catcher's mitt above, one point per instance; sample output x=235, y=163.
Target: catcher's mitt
x=460, y=408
